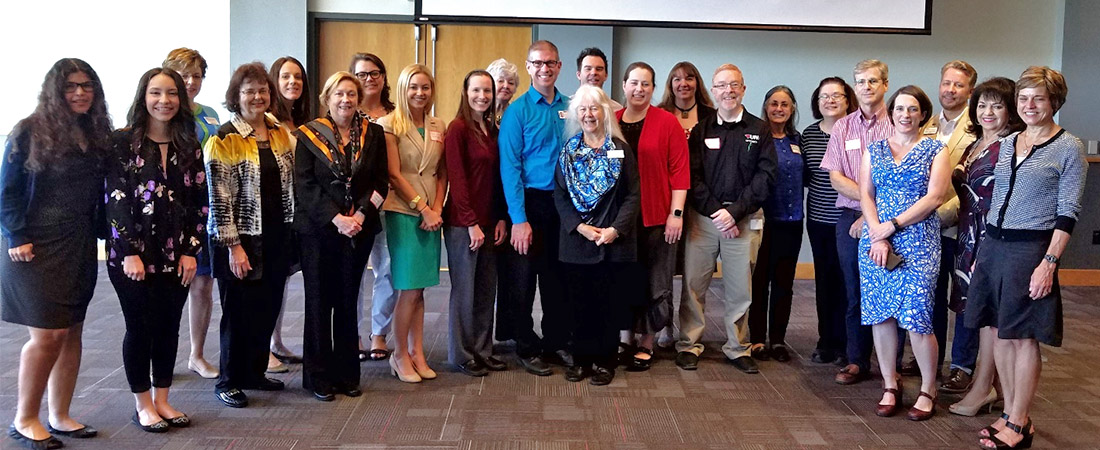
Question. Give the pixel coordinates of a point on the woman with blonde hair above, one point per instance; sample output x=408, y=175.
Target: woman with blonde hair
x=414, y=147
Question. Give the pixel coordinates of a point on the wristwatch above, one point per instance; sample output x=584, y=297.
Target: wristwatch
x=897, y=226
x=1051, y=258
x=414, y=201
x=678, y=213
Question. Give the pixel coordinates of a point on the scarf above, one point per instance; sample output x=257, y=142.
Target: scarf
x=589, y=173
x=324, y=140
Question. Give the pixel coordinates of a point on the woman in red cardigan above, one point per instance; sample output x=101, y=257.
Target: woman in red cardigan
x=662, y=155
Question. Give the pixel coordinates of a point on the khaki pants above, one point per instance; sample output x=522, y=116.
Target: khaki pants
x=704, y=244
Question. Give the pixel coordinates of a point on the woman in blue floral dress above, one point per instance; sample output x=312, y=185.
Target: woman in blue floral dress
x=902, y=181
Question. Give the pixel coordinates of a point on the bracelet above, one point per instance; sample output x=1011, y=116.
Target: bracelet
x=897, y=226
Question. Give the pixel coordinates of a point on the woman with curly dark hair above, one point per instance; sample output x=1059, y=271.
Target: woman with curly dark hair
x=156, y=208
x=51, y=200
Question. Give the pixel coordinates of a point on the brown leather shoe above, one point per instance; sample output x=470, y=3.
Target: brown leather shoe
x=957, y=382
x=918, y=415
x=889, y=410
x=851, y=374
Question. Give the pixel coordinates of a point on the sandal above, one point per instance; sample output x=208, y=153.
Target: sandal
x=990, y=430
x=638, y=364
x=1025, y=441
x=374, y=354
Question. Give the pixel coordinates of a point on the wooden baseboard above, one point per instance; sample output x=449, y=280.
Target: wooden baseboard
x=1067, y=277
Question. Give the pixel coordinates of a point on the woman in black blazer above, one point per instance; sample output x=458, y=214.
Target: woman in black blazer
x=597, y=195
x=340, y=163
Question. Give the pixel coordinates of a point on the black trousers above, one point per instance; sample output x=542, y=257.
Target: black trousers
x=331, y=270
x=773, y=282
x=658, y=260
x=151, y=310
x=249, y=311
x=594, y=291
x=505, y=299
x=829, y=292
x=539, y=267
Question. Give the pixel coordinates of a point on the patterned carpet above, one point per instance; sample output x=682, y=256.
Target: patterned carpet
x=787, y=405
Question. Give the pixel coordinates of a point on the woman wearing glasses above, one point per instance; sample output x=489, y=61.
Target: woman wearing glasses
x=251, y=172
x=375, y=103
x=832, y=99
x=51, y=200
x=192, y=67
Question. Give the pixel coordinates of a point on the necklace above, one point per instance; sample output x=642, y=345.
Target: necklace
x=684, y=112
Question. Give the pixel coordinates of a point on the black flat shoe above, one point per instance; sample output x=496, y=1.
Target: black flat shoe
x=535, y=366
x=759, y=352
x=494, y=364
x=269, y=384
x=181, y=421
x=352, y=392
x=638, y=364
x=158, y=427
x=575, y=373
x=83, y=432
x=473, y=368
x=821, y=356
x=745, y=364
x=48, y=443
x=324, y=396
x=602, y=376
x=780, y=353
x=288, y=359
x=687, y=360
x=233, y=398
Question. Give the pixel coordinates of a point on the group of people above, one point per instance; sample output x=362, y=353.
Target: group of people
x=596, y=204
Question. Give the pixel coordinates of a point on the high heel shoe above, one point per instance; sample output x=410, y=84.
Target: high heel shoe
x=1027, y=436
x=426, y=373
x=413, y=378
x=971, y=411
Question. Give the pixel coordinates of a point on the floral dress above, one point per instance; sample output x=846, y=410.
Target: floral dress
x=905, y=293
x=973, y=181
x=158, y=213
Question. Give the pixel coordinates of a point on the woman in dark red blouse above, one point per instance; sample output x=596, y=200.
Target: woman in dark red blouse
x=472, y=216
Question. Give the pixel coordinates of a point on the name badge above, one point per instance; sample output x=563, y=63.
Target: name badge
x=211, y=120
x=796, y=149
x=561, y=114
x=853, y=144
x=376, y=199
x=931, y=130
x=712, y=143
x=435, y=136
x=616, y=153
x=756, y=224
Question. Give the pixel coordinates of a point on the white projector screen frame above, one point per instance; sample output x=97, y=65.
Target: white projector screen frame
x=849, y=16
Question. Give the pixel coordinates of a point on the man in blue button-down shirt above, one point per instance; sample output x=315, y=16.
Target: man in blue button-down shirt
x=530, y=140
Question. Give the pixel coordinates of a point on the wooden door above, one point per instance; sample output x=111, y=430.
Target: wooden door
x=395, y=43
x=459, y=49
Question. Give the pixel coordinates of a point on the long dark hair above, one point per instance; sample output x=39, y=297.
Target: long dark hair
x=466, y=113
x=374, y=59
x=789, y=127
x=53, y=121
x=181, y=128
x=668, y=102
x=299, y=111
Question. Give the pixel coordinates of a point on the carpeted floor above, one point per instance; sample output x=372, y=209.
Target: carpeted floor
x=793, y=404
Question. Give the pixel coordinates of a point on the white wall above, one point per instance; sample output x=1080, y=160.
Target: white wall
x=120, y=42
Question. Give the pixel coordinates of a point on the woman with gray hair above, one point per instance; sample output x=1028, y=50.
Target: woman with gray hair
x=1040, y=175
x=506, y=76
x=597, y=195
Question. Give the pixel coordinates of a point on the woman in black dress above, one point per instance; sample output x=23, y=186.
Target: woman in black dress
x=51, y=206
x=342, y=178
x=156, y=208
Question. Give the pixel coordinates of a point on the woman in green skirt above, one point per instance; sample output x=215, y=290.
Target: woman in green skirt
x=414, y=206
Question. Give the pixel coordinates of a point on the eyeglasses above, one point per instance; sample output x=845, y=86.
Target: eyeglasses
x=87, y=86
x=255, y=92
x=373, y=75
x=551, y=63
x=870, y=82
x=191, y=76
x=722, y=86
x=835, y=96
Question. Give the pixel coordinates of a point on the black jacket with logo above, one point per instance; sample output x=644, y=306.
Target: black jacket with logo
x=733, y=165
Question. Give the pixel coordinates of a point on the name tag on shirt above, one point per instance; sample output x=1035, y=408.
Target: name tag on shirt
x=436, y=136
x=756, y=224
x=616, y=153
x=796, y=149
x=712, y=143
x=376, y=199
x=931, y=130
x=561, y=114
x=853, y=144
x=211, y=120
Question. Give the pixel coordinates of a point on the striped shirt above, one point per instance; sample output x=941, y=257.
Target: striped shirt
x=851, y=136
x=1044, y=191
x=821, y=199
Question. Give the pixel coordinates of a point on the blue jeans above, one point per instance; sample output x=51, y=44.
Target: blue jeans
x=847, y=249
x=964, y=348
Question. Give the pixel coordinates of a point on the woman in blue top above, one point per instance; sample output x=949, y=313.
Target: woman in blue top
x=782, y=237
x=192, y=67
x=902, y=181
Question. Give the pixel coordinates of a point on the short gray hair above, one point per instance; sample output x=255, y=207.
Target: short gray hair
x=501, y=68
